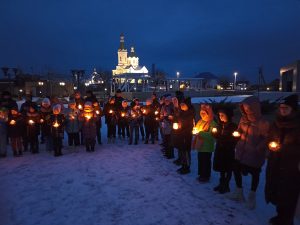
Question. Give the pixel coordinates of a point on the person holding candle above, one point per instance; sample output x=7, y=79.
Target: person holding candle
x=149, y=121
x=3, y=132
x=225, y=145
x=33, y=129
x=118, y=100
x=56, y=121
x=250, y=150
x=156, y=106
x=182, y=137
x=167, y=115
x=99, y=113
x=45, y=112
x=133, y=116
x=72, y=123
x=111, y=119
x=283, y=172
x=204, y=142
x=89, y=128
x=136, y=102
x=123, y=119
x=15, y=131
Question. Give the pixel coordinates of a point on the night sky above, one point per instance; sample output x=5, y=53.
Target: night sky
x=180, y=35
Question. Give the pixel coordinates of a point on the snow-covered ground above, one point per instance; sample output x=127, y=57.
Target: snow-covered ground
x=118, y=184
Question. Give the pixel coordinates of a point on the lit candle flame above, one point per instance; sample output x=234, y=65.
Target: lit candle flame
x=97, y=112
x=133, y=115
x=274, y=146
x=56, y=124
x=79, y=106
x=156, y=112
x=41, y=121
x=122, y=114
x=214, y=130
x=144, y=111
x=88, y=117
x=156, y=118
x=12, y=122
x=236, y=134
x=110, y=111
x=175, y=126
x=195, y=130
x=31, y=122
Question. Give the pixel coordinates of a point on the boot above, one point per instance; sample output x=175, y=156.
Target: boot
x=184, y=170
x=237, y=195
x=224, y=188
x=177, y=162
x=251, y=201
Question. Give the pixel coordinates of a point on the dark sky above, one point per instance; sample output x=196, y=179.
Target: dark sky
x=180, y=35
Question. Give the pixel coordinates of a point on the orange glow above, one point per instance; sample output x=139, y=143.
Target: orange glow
x=97, y=112
x=122, y=114
x=56, y=124
x=41, y=121
x=274, y=146
x=156, y=112
x=214, y=130
x=79, y=106
x=111, y=111
x=175, y=126
x=31, y=122
x=236, y=134
x=195, y=130
x=12, y=122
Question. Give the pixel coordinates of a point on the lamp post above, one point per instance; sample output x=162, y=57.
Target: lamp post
x=234, y=84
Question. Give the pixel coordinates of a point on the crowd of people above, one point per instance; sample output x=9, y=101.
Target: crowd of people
x=239, y=149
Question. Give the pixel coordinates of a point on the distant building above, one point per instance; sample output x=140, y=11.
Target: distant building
x=209, y=80
x=290, y=77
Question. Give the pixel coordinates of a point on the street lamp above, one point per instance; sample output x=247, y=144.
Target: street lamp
x=177, y=74
x=234, y=84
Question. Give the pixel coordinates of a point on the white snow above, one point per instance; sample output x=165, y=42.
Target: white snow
x=233, y=99
x=117, y=184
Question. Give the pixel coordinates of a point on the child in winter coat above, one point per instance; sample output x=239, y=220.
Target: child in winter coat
x=89, y=118
x=149, y=121
x=32, y=129
x=204, y=142
x=15, y=131
x=72, y=123
x=123, y=120
x=133, y=116
x=250, y=150
x=3, y=132
x=224, y=152
x=111, y=119
x=136, y=102
x=56, y=122
x=45, y=113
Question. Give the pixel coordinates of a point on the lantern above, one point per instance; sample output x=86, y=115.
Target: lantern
x=236, y=134
x=195, y=130
x=12, y=122
x=31, y=122
x=214, y=130
x=274, y=146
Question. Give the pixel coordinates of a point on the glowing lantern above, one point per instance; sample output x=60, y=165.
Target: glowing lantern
x=12, y=122
x=274, y=146
x=236, y=134
x=31, y=122
x=176, y=126
x=214, y=130
x=122, y=114
x=195, y=130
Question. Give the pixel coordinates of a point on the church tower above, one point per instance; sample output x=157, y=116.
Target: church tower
x=122, y=53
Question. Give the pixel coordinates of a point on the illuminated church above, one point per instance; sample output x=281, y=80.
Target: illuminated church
x=128, y=64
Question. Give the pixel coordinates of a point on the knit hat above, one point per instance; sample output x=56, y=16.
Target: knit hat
x=291, y=101
x=57, y=108
x=46, y=101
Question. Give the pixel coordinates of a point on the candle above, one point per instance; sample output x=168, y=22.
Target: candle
x=144, y=111
x=236, y=134
x=175, y=126
x=56, y=124
x=274, y=146
x=156, y=118
x=31, y=122
x=133, y=115
x=41, y=121
x=195, y=130
x=79, y=106
x=97, y=112
x=12, y=122
x=72, y=117
x=214, y=130
x=110, y=111
x=122, y=114
x=156, y=112
x=88, y=117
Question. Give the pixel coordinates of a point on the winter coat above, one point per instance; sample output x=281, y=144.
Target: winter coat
x=166, y=123
x=283, y=172
x=149, y=116
x=251, y=147
x=33, y=130
x=79, y=101
x=99, y=114
x=123, y=120
x=57, y=132
x=225, y=145
x=26, y=105
x=17, y=129
x=110, y=118
x=3, y=125
x=89, y=128
x=134, y=116
x=8, y=104
x=72, y=121
x=207, y=141
x=45, y=114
